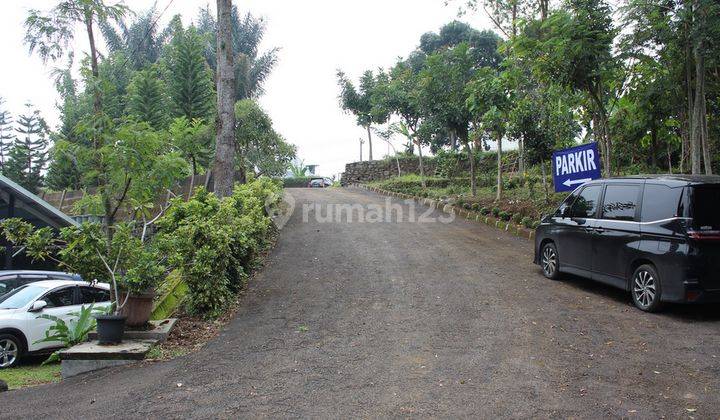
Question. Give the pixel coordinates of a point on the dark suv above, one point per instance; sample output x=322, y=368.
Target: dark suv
x=657, y=237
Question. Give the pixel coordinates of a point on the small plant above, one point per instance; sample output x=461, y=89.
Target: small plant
x=75, y=332
x=505, y=215
x=496, y=211
x=476, y=206
x=527, y=222
x=517, y=218
x=303, y=328
x=484, y=211
x=535, y=224
x=461, y=201
x=467, y=206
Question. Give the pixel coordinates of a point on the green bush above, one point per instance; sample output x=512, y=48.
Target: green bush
x=495, y=211
x=213, y=242
x=297, y=182
x=527, y=222
x=476, y=206
x=517, y=218
x=484, y=211
x=505, y=215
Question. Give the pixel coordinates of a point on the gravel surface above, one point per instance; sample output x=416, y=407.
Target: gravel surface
x=413, y=319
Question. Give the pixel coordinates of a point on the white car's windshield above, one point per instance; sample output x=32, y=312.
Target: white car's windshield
x=20, y=297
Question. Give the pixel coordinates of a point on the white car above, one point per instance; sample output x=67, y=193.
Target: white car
x=20, y=327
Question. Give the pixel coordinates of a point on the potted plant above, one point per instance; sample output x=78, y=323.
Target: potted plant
x=126, y=261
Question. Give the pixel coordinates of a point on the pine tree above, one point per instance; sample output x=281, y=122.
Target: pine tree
x=6, y=134
x=147, y=98
x=190, y=80
x=28, y=155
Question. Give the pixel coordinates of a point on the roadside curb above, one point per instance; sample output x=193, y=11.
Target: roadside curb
x=512, y=228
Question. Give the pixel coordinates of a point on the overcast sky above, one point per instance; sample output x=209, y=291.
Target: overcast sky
x=316, y=38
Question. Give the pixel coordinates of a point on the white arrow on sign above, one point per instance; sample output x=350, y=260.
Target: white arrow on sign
x=569, y=183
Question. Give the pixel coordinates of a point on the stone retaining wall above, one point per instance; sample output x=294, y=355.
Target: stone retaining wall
x=378, y=170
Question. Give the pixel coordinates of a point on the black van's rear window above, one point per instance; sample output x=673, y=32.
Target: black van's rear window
x=706, y=207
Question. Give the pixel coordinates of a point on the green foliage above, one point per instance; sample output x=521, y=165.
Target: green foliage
x=261, y=149
x=296, y=182
x=69, y=335
x=252, y=67
x=190, y=80
x=484, y=211
x=517, y=218
x=212, y=242
x=505, y=216
x=27, y=157
x=527, y=222
x=194, y=140
x=147, y=98
x=495, y=211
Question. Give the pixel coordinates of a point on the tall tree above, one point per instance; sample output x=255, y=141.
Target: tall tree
x=190, y=80
x=139, y=40
x=364, y=102
x=6, y=134
x=225, y=144
x=573, y=47
x=51, y=34
x=260, y=149
x=251, y=66
x=443, y=97
x=28, y=156
x=147, y=98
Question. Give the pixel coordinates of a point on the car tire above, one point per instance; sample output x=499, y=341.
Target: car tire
x=11, y=348
x=645, y=288
x=550, y=261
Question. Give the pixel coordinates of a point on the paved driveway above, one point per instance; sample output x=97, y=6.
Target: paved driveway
x=406, y=319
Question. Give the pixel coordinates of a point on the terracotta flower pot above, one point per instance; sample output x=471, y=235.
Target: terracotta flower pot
x=137, y=309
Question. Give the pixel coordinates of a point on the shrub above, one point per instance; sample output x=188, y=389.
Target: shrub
x=485, y=211
x=467, y=206
x=527, y=222
x=213, y=242
x=517, y=218
x=505, y=215
x=495, y=211
x=535, y=224
x=476, y=206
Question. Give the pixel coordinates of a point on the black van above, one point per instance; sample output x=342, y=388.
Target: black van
x=657, y=237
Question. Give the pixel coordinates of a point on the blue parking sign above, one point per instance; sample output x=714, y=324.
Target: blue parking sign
x=575, y=166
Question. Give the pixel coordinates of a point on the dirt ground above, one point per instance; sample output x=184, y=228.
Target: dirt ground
x=407, y=319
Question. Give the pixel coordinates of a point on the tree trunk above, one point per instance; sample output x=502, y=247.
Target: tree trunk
x=473, y=181
x=499, y=169
x=544, y=181
x=225, y=142
x=653, y=146
x=699, y=149
x=192, y=178
x=422, y=168
x=521, y=156
x=97, y=105
x=602, y=132
x=370, y=158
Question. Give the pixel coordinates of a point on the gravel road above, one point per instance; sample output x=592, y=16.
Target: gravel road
x=409, y=319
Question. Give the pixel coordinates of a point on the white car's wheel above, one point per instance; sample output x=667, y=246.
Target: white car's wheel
x=10, y=350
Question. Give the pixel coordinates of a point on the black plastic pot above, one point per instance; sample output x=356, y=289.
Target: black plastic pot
x=110, y=329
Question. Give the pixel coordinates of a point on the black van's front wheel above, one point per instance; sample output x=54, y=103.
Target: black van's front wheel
x=549, y=261
x=645, y=288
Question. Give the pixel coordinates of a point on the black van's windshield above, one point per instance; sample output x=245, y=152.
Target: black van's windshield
x=706, y=207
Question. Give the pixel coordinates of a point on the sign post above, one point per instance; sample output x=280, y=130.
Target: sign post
x=575, y=166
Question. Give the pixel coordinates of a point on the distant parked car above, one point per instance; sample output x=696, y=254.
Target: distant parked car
x=20, y=327
x=658, y=237
x=320, y=183
x=12, y=279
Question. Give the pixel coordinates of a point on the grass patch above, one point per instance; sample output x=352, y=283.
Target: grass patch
x=24, y=376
